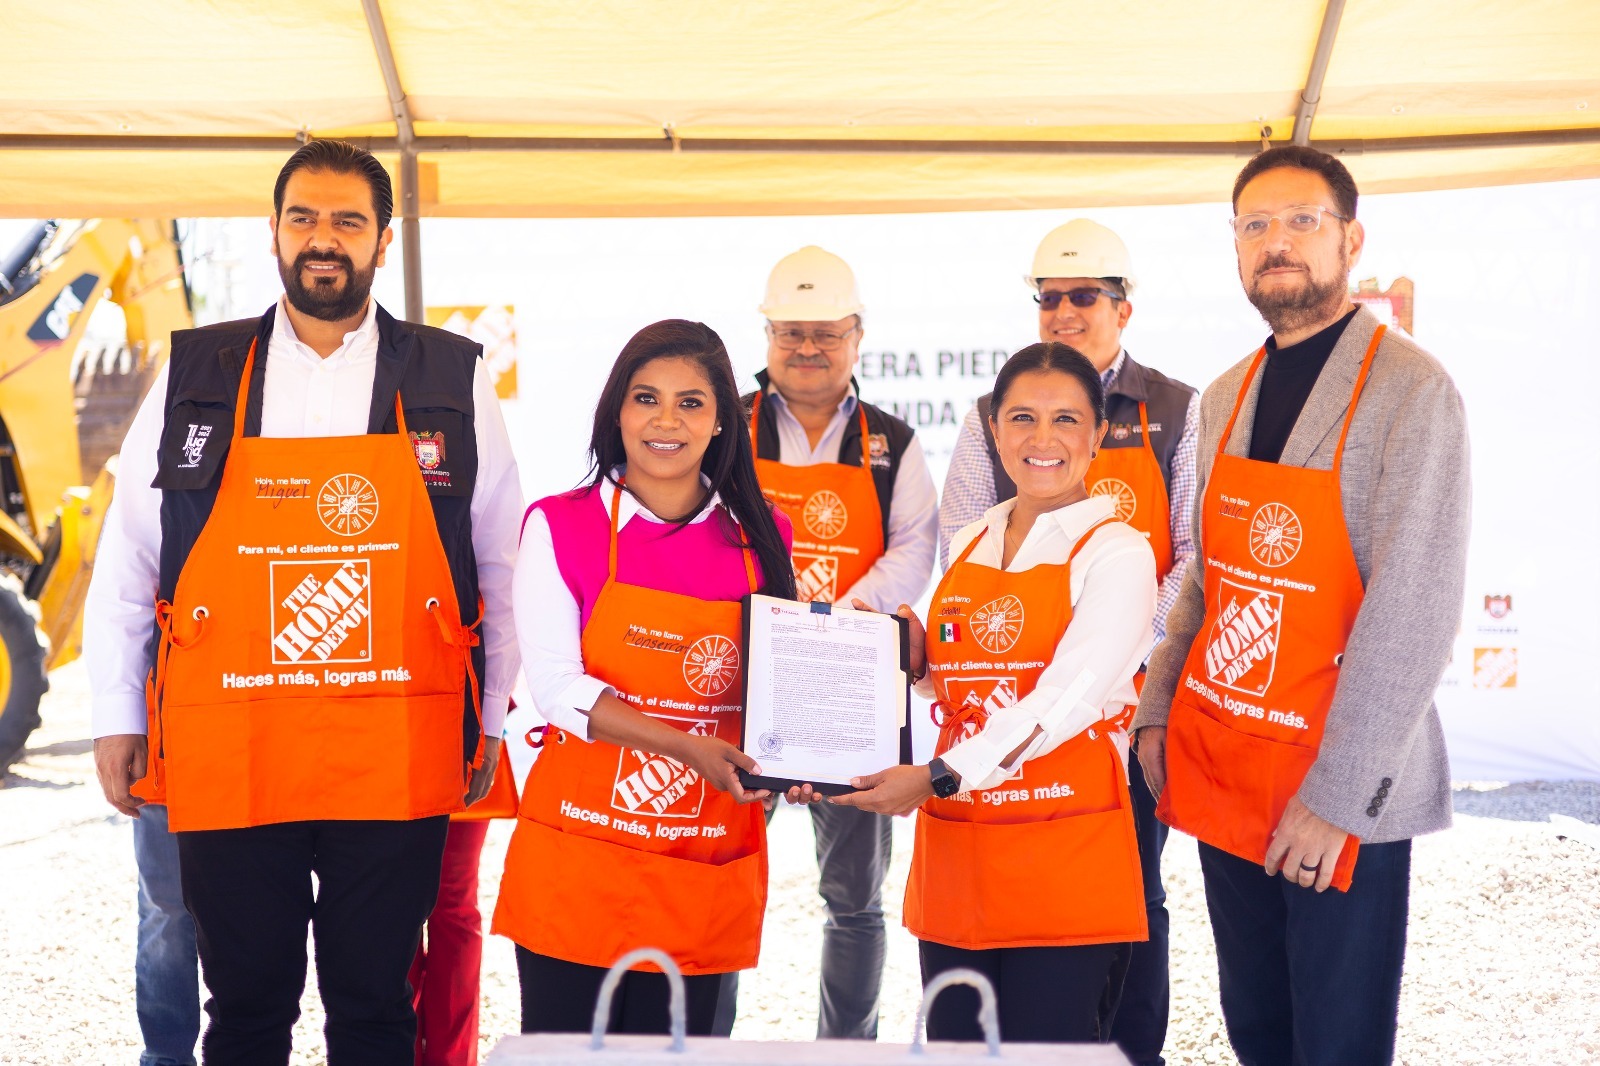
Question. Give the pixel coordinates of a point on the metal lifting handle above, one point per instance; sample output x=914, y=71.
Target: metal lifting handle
x=677, y=1011
x=988, y=1013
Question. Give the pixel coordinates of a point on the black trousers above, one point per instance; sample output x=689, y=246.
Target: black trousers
x=1309, y=978
x=1140, y=1027
x=1045, y=995
x=251, y=896
x=559, y=997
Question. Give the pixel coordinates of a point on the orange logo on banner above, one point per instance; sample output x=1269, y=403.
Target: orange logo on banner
x=347, y=504
x=654, y=784
x=711, y=664
x=825, y=515
x=1494, y=667
x=816, y=577
x=1242, y=648
x=1274, y=535
x=998, y=624
x=1118, y=490
x=320, y=611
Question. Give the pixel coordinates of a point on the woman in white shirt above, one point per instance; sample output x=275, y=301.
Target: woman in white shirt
x=1026, y=867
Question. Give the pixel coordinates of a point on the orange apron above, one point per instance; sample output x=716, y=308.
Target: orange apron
x=1133, y=477
x=1282, y=592
x=838, y=525
x=617, y=848
x=1048, y=857
x=275, y=697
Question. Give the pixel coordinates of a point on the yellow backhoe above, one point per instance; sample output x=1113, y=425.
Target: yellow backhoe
x=64, y=408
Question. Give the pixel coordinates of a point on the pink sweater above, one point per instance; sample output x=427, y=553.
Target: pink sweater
x=698, y=560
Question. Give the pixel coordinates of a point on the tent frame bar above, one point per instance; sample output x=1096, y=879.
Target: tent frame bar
x=1311, y=96
x=431, y=144
x=406, y=141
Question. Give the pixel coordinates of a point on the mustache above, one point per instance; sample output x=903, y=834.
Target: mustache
x=324, y=257
x=1277, y=262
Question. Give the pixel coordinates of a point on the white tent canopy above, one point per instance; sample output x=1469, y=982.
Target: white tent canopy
x=545, y=108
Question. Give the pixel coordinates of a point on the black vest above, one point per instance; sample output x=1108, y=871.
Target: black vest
x=1166, y=405
x=433, y=371
x=895, y=433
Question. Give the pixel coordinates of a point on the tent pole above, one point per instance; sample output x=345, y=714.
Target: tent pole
x=1311, y=96
x=406, y=135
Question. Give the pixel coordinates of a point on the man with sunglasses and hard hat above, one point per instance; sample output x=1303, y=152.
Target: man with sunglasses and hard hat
x=854, y=481
x=1083, y=277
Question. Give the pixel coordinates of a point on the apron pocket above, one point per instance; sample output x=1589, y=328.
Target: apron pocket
x=1226, y=787
x=1072, y=880
x=291, y=759
x=590, y=901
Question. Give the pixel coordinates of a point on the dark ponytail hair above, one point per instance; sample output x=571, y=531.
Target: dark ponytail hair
x=1050, y=355
x=729, y=463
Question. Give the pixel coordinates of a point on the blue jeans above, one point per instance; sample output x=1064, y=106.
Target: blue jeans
x=1309, y=978
x=167, y=969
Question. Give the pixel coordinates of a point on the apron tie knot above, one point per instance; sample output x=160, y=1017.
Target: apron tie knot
x=953, y=720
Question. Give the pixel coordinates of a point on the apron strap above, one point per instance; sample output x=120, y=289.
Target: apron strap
x=466, y=638
x=1078, y=547
x=1350, y=415
x=1238, y=404
x=611, y=548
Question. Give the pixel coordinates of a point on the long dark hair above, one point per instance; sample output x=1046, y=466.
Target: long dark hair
x=1050, y=355
x=728, y=463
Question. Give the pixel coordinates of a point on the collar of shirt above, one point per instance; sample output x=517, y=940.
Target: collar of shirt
x=359, y=345
x=847, y=406
x=631, y=506
x=1109, y=376
x=1050, y=540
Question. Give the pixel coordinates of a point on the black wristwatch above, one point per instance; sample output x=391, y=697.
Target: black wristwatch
x=945, y=781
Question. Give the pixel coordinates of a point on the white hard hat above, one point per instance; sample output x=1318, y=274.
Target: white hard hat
x=1081, y=249
x=811, y=285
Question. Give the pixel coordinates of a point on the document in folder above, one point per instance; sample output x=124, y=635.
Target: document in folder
x=827, y=693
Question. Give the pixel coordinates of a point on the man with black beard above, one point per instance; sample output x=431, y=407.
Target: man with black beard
x=1287, y=720
x=325, y=628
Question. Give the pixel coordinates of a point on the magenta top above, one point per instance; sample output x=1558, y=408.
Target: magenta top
x=697, y=560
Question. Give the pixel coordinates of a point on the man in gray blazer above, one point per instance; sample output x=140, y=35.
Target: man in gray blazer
x=1287, y=720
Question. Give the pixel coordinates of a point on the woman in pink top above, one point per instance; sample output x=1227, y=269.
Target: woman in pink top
x=633, y=829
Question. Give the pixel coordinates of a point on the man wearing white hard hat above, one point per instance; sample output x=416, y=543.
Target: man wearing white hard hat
x=1083, y=280
x=853, y=480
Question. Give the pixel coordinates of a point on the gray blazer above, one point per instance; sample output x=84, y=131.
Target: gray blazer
x=1406, y=492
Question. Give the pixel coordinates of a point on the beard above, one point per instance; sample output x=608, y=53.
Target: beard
x=325, y=298
x=1318, y=300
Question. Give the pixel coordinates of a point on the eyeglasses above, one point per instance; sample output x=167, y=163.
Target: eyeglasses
x=825, y=340
x=1084, y=297
x=1299, y=220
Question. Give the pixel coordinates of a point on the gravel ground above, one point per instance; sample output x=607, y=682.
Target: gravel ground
x=1503, y=964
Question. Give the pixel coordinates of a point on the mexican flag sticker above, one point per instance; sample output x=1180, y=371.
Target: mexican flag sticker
x=949, y=632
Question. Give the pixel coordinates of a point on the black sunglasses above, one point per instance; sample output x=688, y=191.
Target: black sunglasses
x=1084, y=297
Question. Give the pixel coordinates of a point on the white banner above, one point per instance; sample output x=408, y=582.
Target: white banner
x=1504, y=296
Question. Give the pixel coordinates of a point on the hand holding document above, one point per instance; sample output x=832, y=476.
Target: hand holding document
x=827, y=696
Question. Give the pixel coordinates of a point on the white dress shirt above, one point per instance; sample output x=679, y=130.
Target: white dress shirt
x=1112, y=586
x=901, y=573
x=304, y=395
x=550, y=623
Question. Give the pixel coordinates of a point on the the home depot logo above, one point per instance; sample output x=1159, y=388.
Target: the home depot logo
x=653, y=784
x=1242, y=647
x=816, y=577
x=1494, y=667
x=321, y=612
